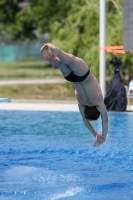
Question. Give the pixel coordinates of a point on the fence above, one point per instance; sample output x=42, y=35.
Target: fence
x=24, y=60
x=21, y=51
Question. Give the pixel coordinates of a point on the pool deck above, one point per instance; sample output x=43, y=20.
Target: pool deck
x=44, y=105
x=40, y=105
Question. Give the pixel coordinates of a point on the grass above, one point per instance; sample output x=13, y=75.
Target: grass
x=62, y=91
x=27, y=70
x=33, y=70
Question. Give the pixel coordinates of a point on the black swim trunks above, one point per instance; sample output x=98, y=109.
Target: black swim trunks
x=74, y=78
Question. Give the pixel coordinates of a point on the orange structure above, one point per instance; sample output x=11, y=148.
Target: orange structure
x=116, y=50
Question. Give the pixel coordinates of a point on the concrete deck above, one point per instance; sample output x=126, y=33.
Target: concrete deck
x=44, y=105
x=40, y=105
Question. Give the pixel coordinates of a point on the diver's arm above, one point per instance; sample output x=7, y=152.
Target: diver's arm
x=103, y=111
x=100, y=138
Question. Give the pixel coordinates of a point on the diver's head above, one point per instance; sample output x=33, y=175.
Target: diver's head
x=91, y=113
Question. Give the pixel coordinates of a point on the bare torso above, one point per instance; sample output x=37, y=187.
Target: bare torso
x=88, y=92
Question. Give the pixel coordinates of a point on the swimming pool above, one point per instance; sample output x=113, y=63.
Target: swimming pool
x=50, y=156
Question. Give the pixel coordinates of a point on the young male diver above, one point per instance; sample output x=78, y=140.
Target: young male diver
x=87, y=89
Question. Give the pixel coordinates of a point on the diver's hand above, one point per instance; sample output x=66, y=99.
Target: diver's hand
x=99, y=139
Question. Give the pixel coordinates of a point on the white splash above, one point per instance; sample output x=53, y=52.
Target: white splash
x=69, y=193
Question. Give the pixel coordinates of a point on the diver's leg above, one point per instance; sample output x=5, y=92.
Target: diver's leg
x=55, y=61
x=77, y=65
x=65, y=70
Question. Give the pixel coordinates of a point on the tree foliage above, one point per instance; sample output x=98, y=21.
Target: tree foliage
x=71, y=25
x=16, y=21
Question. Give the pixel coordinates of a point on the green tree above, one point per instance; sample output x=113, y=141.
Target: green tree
x=73, y=25
x=15, y=21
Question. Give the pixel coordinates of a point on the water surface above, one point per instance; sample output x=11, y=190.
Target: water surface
x=50, y=155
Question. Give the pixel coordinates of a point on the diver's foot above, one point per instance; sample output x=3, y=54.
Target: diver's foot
x=52, y=49
x=45, y=52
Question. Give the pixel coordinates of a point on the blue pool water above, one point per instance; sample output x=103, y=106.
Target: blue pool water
x=50, y=156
